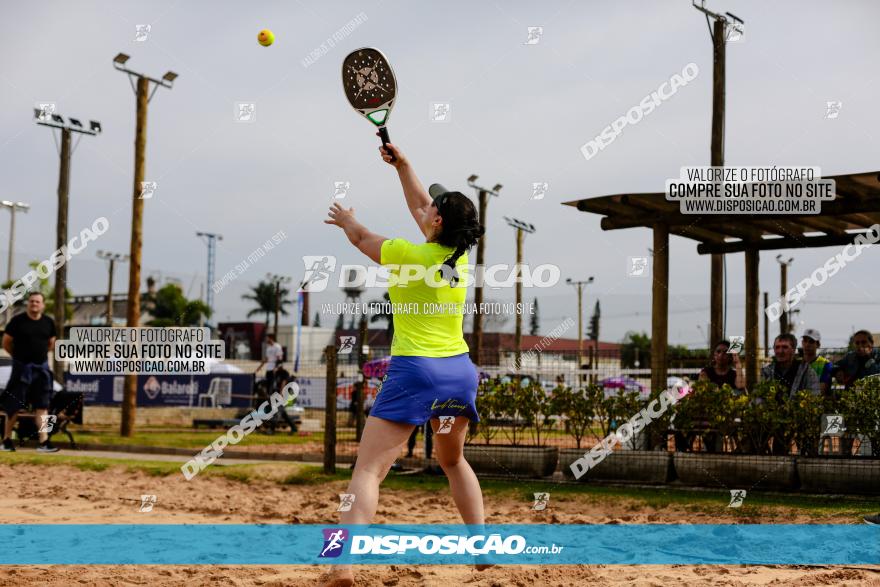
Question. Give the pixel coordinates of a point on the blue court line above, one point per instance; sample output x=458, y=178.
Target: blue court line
x=277, y=544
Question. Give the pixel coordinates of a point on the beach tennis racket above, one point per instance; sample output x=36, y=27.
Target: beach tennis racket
x=370, y=87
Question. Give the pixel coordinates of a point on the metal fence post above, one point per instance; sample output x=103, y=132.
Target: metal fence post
x=330, y=412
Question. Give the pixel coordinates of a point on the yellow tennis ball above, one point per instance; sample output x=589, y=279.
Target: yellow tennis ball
x=266, y=37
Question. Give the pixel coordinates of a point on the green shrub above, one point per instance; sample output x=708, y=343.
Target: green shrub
x=861, y=410
x=489, y=408
x=763, y=418
x=710, y=407
x=578, y=408
x=614, y=410
x=536, y=408
x=805, y=417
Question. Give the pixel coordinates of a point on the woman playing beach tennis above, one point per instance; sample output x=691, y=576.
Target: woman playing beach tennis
x=430, y=377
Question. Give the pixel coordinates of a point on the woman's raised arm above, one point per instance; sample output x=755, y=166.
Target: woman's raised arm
x=417, y=199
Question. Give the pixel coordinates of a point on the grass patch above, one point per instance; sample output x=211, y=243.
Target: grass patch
x=310, y=475
x=92, y=465
x=659, y=498
x=194, y=439
x=82, y=463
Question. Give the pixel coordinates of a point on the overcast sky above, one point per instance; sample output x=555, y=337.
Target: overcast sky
x=519, y=114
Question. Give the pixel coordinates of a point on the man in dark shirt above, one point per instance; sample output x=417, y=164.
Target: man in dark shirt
x=280, y=378
x=862, y=362
x=28, y=338
x=787, y=369
x=793, y=375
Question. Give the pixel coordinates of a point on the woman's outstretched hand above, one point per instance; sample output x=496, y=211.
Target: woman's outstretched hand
x=399, y=159
x=339, y=215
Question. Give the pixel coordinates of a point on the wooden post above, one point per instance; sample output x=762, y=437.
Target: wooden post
x=477, y=341
x=580, y=287
x=330, y=411
x=593, y=356
x=277, y=307
x=660, y=307
x=719, y=57
x=61, y=241
x=359, y=385
x=751, y=333
x=716, y=284
x=716, y=300
x=783, y=287
x=766, y=329
x=133, y=313
x=110, y=294
x=518, y=329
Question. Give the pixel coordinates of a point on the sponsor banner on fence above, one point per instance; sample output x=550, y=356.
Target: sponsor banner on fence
x=313, y=392
x=405, y=544
x=215, y=390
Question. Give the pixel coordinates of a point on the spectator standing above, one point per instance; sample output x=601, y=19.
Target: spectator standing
x=788, y=370
x=722, y=370
x=273, y=355
x=28, y=338
x=822, y=366
x=859, y=363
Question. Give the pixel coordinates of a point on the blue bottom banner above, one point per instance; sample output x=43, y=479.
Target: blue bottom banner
x=505, y=544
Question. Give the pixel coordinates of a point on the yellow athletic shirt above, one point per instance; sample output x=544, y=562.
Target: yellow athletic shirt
x=427, y=319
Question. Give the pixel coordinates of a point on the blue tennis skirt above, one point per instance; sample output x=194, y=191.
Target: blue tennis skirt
x=416, y=389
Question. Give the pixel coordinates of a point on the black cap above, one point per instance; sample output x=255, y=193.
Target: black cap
x=436, y=190
x=438, y=193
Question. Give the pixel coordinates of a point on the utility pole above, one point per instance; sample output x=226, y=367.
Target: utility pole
x=520, y=227
x=580, y=291
x=483, y=199
x=13, y=207
x=112, y=257
x=133, y=311
x=784, y=318
x=211, y=239
x=277, y=280
x=46, y=118
x=718, y=34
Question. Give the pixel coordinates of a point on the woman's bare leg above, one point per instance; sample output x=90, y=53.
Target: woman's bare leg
x=462, y=481
x=380, y=446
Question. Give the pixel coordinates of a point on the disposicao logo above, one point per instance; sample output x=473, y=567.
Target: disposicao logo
x=334, y=540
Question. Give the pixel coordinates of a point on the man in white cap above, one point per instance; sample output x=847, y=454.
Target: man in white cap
x=811, y=340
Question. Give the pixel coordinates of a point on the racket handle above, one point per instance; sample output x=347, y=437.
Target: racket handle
x=383, y=134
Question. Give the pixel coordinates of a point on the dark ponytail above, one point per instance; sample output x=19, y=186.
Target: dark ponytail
x=461, y=230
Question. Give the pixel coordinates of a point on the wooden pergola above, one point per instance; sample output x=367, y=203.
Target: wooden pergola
x=855, y=209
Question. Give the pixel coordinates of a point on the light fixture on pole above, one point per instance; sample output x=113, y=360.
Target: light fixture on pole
x=13, y=208
x=580, y=284
x=55, y=121
x=211, y=239
x=718, y=33
x=133, y=312
x=785, y=316
x=482, y=200
x=520, y=227
x=112, y=258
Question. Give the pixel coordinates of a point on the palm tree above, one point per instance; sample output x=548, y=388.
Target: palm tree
x=263, y=295
x=173, y=309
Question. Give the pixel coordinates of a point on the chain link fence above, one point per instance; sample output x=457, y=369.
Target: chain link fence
x=602, y=422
